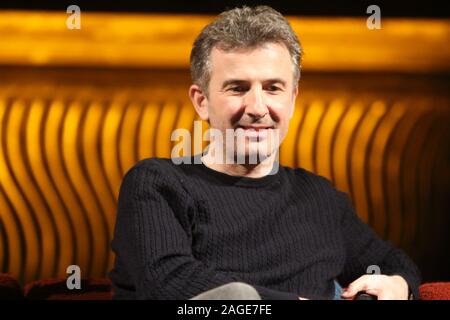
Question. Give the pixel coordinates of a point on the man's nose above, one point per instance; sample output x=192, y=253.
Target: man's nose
x=255, y=104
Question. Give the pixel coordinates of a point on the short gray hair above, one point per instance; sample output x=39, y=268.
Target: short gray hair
x=242, y=28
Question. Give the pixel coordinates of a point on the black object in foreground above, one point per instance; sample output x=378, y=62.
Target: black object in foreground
x=365, y=296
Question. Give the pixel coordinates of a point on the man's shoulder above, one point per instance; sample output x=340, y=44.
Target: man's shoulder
x=304, y=176
x=151, y=163
x=154, y=172
x=153, y=166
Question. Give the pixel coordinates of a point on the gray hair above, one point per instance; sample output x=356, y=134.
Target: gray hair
x=242, y=28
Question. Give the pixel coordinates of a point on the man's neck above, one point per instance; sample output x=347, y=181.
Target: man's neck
x=257, y=170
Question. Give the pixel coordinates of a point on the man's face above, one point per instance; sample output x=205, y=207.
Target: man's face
x=252, y=91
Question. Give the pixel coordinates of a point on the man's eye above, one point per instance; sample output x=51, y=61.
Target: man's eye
x=238, y=89
x=273, y=88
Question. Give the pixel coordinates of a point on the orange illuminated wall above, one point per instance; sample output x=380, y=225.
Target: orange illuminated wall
x=79, y=107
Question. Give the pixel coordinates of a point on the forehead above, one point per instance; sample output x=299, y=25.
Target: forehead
x=268, y=60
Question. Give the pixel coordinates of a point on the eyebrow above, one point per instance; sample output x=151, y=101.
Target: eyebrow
x=240, y=82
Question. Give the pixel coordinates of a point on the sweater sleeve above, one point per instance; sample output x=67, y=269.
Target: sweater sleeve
x=153, y=242
x=365, y=248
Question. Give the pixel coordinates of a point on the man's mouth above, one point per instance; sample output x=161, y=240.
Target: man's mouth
x=256, y=131
x=256, y=128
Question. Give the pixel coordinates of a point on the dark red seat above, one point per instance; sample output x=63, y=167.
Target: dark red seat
x=101, y=289
x=56, y=289
x=435, y=291
x=9, y=287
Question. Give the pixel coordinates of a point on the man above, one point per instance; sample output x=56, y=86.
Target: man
x=246, y=229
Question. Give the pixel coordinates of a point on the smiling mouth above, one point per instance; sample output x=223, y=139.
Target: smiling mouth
x=256, y=128
x=255, y=133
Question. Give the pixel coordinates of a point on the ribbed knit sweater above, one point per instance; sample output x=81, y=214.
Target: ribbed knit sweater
x=184, y=229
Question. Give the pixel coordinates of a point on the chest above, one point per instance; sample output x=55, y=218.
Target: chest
x=261, y=229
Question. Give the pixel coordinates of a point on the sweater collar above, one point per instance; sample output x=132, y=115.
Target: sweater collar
x=227, y=179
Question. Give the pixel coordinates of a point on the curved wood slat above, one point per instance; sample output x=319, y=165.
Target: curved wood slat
x=97, y=180
x=165, y=127
x=397, y=161
x=287, y=154
x=12, y=229
x=128, y=137
x=75, y=125
x=326, y=135
x=185, y=121
x=393, y=185
x=439, y=197
x=58, y=210
x=390, y=174
x=429, y=232
x=70, y=152
x=51, y=238
x=70, y=211
x=147, y=130
x=408, y=168
x=110, y=145
x=413, y=149
x=342, y=146
x=377, y=168
x=306, y=139
x=360, y=155
x=15, y=182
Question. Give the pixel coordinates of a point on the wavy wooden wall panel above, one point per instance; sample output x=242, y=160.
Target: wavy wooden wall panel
x=62, y=160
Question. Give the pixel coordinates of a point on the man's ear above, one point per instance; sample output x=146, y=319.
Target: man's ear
x=200, y=101
x=294, y=97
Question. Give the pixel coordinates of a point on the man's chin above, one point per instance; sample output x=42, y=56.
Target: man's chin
x=250, y=158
